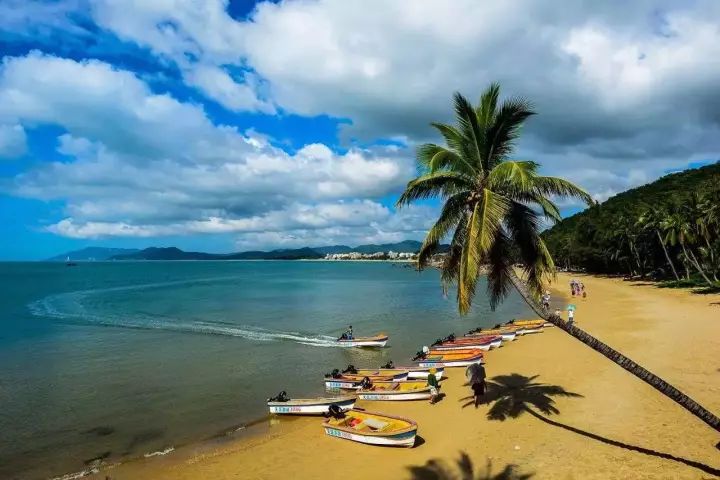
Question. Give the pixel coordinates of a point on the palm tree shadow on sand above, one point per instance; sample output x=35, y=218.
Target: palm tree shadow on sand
x=439, y=470
x=509, y=396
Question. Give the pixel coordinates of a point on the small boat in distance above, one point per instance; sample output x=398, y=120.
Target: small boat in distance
x=282, y=405
x=372, y=428
x=70, y=263
x=376, y=341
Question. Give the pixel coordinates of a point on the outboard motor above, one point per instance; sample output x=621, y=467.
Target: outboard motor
x=389, y=364
x=335, y=411
x=350, y=369
x=334, y=374
x=281, y=397
x=365, y=383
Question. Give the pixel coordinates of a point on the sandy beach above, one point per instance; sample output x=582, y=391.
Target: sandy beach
x=614, y=427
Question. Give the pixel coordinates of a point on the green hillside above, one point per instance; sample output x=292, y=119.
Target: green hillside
x=624, y=233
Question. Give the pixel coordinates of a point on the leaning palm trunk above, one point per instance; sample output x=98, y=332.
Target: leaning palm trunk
x=643, y=374
x=667, y=256
x=699, y=268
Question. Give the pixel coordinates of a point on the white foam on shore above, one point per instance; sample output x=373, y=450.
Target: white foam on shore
x=159, y=452
x=76, y=475
x=70, y=307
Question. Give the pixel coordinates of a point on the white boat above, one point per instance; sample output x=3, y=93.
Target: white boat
x=422, y=373
x=396, y=391
x=375, y=341
x=353, y=382
x=451, y=360
x=449, y=347
x=372, y=428
x=310, y=406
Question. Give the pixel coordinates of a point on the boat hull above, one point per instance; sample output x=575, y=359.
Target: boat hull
x=404, y=437
x=378, y=341
x=303, y=407
x=453, y=346
x=389, y=396
x=460, y=362
x=420, y=373
x=352, y=382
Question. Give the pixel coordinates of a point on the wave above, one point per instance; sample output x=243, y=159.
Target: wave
x=69, y=307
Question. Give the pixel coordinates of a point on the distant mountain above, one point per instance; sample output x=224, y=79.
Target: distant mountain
x=167, y=253
x=332, y=249
x=174, y=253
x=92, y=254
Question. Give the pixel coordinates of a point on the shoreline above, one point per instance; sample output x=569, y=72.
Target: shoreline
x=618, y=427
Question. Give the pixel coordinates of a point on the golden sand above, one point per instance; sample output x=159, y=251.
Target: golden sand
x=619, y=428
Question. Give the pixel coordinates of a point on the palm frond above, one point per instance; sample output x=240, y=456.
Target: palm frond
x=458, y=143
x=451, y=214
x=488, y=105
x=499, y=264
x=504, y=130
x=438, y=184
x=433, y=158
x=473, y=136
x=451, y=265
x=523, y=226
x=513, y=176
x=561, y=187
x=483, y=226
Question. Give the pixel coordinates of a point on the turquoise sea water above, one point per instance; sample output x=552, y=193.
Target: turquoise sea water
x=118, y=359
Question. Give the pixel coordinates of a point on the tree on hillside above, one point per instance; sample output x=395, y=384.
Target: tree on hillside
x=652, y=220
x=492, y=211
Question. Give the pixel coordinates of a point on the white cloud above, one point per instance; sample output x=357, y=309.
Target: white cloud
x=625, y=92
x=145, y=164
x=13, y=141
x=219, y=86
x=613, y=83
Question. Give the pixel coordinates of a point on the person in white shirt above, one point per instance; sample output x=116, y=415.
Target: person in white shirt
x=571, y=316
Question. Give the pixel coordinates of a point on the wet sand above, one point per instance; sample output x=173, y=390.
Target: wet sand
x=617, y=426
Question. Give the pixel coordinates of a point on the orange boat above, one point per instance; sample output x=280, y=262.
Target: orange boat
x=453, y=358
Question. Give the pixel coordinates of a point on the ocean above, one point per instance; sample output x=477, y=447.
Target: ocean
x=116, y=360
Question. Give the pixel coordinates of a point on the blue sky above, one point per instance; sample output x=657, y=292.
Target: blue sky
x=223, y=126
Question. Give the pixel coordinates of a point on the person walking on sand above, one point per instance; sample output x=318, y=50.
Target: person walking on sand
x=476, y=375
x=571, y=316
x=432, y=382
x=546, y=301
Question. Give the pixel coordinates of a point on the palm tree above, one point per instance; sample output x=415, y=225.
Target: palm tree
x=680, y=230
x=651, y=220
x=492, y=211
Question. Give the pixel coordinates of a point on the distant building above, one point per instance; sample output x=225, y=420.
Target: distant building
x=371, y=256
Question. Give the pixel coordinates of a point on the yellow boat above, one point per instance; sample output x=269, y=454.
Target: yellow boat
x=372, y=428
x=394, y=391
x=396, y=373
x=528, y=326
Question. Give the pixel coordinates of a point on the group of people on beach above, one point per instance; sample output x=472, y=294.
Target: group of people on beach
x=577, y=288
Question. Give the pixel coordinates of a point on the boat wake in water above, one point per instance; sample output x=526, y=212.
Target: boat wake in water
x=70, y=307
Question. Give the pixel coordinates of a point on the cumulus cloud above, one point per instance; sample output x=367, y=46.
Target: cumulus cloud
x=145, y=164
x=614, y=82
x=625, y=92
x=12, y=141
